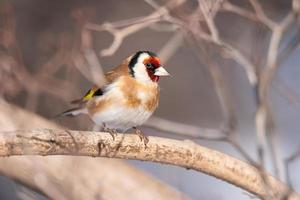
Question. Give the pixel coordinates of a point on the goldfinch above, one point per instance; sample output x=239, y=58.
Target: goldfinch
x=128, y=99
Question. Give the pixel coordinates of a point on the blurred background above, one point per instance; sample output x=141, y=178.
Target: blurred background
x=49, y=50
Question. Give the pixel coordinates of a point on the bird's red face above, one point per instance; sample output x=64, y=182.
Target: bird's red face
x=152, y=63
x=146, y=66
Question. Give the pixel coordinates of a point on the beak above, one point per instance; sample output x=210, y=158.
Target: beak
x=161, y=72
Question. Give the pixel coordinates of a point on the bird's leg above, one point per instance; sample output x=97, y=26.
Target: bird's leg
x=142, y=136
x=111, y=131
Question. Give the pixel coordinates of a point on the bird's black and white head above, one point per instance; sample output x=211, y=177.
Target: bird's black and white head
x=145, y=66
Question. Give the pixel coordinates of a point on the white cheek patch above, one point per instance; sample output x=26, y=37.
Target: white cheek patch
x=140, y=72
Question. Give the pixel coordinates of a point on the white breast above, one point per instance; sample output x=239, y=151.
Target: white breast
x=118, y=115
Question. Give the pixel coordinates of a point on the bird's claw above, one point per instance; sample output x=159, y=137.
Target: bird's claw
x=112, y=132
x=142, y=136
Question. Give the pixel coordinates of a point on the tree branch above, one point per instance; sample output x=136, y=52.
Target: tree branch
x=78, y=177
x=128, y=146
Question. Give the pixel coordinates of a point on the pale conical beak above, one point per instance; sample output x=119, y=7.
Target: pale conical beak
x=161, y=72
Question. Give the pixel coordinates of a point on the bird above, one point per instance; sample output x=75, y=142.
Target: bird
x=129, y=97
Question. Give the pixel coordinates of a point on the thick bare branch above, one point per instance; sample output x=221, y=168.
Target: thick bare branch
x=128, y=146
x=94, y=179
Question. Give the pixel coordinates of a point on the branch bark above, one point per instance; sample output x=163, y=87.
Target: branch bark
x=64, y=177
x=186, y=154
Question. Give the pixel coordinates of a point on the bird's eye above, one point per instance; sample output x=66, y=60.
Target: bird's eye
x=149, y=65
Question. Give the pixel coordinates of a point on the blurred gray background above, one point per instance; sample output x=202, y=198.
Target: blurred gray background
x=187, y=97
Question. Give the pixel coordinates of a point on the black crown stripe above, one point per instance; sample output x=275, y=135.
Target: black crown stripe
x=135, y=58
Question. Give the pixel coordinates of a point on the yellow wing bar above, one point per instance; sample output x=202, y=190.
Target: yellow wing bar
x=90, y=93
x=94, y=91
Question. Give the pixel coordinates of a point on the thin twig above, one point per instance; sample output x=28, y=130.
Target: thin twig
x=184, y=129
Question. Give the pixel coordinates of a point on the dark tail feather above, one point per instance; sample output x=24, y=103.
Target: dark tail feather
x=71, y=112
